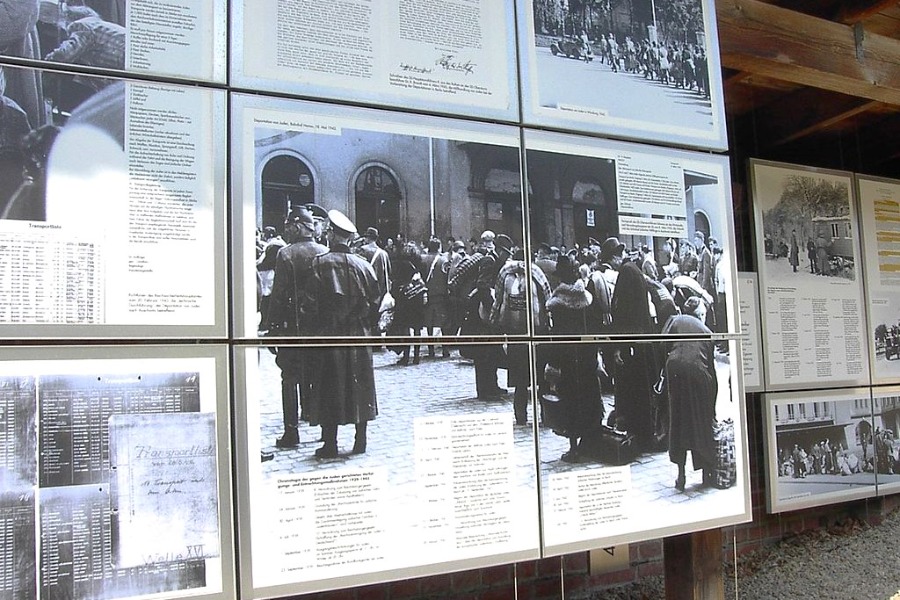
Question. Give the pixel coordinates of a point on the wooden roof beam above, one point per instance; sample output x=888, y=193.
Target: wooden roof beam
x=783, y=44
x=851, y=13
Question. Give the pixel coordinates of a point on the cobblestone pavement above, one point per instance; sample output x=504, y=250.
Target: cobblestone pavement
x=446, y=386
x=437, y=386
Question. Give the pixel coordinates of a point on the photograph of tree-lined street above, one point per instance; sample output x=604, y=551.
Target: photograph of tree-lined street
x=808, y=231
x=644, y=61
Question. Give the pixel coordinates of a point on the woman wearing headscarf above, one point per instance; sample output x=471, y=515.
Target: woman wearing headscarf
x=576, y=363
x=636, y=367
x=693, y=387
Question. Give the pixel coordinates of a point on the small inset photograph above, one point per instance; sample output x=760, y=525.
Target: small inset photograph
x=884, y=437
x=822, y=448
x=644, y=70
x=884, y=314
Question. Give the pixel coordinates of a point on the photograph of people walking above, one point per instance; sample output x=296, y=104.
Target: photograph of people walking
x=643, y=69
x=825, y=447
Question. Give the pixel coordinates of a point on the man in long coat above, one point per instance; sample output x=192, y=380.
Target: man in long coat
x=345, y=298
x=288, y=315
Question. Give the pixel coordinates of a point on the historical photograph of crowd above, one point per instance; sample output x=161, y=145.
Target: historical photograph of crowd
x=886, y=437
x=662, y=416
x=808, y=231
x=886, y=337
x=831, y=447
x=368, y=233
x=573, y=202
x=637, y=60
x=36, y=105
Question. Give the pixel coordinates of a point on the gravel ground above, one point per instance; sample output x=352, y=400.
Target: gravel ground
x=849, y=561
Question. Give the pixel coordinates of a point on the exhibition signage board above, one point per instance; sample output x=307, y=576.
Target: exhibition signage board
x=167, y=38
x=619, y=481
x=610, y=203
x=400, y=180
x=454, y=57
x=116, y=478
x=879, y=210
x=440, y=479
x=882, y=437
x=113, y=219
x=644, y=71
x=811, y=283
x=821, y=447
x=751, y=339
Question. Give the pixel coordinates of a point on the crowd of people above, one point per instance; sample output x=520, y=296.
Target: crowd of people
x=822, y=458
x=678, y=64
x=323, y=278
x=825, y=457
x=350, y=285
x=664, y=392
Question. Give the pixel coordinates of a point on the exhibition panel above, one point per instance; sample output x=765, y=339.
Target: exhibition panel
x=163, y=38
x=105, y=448
x=609, y=204
x=646, y=71
x=811, y=284
x=113, y=218
x=455, y=57
x=433, y=205
x=355, y=469
x=879, y=226
x=820, y=447
x=883, y=438
x=618, y=421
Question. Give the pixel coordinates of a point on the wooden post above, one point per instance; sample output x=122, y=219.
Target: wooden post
x=693, y=566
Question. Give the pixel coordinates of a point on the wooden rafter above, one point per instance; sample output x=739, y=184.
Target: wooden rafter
x=851, y=13
x=776, y=42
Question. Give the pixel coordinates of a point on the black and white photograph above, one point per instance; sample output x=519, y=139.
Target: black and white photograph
x=822, y=448
x=73, y=147
x=884, y=314
x=356, y=469
x=807, y=229
x=639, y=439
x=37, y=107
x=884, y=438
x=160, y=37
x=639, y=227
x=356, y=223
x=453, y=57
x=645, y=69
x=810, y=276
x=879, y=212
x=116, y=449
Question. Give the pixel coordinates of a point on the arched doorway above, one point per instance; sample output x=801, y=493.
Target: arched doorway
x=589, y=211
x=377, y=197
x=286, y=184
x=701, y=223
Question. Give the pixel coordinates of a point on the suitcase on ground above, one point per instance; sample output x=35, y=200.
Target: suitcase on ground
x=609, y=446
